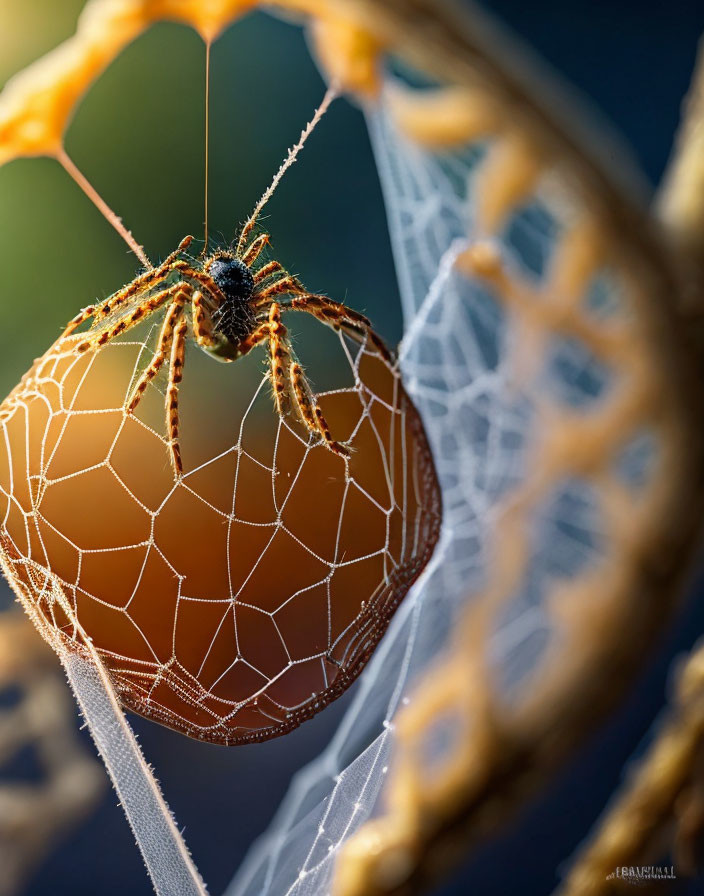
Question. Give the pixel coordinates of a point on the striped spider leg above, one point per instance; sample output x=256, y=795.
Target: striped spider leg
x=289, y=382
x=236, y=303
x=203, y=299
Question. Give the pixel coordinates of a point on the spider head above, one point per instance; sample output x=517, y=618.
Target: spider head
x=233, y=318
x=232, y=276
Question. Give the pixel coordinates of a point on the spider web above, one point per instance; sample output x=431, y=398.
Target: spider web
x=266, y=500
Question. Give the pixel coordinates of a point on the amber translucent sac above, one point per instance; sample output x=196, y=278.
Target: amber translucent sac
x=237, y=602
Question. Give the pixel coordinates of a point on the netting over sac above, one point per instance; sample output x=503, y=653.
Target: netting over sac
x=455, y=361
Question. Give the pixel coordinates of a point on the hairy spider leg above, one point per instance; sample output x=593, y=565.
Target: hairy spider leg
x=268, y=270
x=163, y=345
x=143, y=281
x=147, y=307
x=339, y=316
x=203, y=327
x=334, y=314
x=288, y=375
x=256, y=248
x=173, y=336
x=255, y=338
x=251, y=254
x=75, y=322
x=325, y=309
x=310, y=411
x=209, y=286
x=279, y=358
x=287, y=284
x=177, y=360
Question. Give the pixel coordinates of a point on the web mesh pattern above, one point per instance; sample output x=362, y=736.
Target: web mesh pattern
x=237, y=601
x=508, y=382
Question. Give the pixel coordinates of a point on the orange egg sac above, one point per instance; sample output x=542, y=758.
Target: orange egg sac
x=237, y=601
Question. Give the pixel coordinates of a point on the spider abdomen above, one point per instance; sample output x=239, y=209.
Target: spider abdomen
x=234, y=319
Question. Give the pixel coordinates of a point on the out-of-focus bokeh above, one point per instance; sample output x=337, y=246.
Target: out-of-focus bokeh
x=139, y=138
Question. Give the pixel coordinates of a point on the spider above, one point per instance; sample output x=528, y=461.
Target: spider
x=235, y=305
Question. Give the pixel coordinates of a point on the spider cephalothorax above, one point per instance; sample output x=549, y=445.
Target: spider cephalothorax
x=234, y=303
x=233, y=319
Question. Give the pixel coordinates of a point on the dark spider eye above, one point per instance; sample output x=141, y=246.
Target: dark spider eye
x=233, y=277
